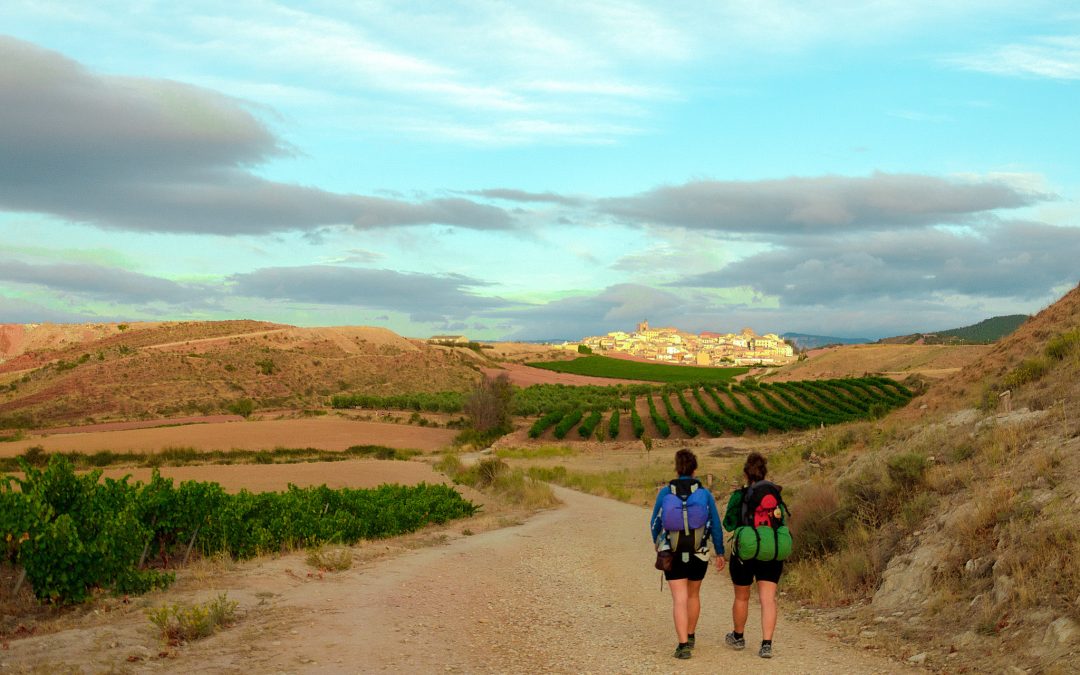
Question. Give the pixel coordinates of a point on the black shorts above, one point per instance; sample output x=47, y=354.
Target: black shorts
x=694, y=569
x=743, y=572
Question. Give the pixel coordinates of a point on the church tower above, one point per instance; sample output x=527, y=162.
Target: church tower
x=643, y=326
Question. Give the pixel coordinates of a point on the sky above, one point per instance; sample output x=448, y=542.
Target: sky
x=540, y=170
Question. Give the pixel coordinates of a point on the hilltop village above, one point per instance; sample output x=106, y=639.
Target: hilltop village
x=705, y=349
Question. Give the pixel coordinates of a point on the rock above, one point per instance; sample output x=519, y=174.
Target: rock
x=907, y=577
x=978, y=567
x=880, y=619
x=918, y=659
x=868, y=634
x=1003, y=588
x=1061, y=632
x=1014, y=670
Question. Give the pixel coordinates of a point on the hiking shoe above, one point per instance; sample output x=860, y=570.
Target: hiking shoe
x=765, y=652
x=735, y=643
x=690, y=641
x=682, y=652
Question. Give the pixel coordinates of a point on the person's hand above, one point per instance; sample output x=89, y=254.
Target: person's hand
x=720, y=563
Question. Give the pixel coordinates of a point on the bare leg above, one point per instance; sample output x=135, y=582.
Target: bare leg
x=740, y=608
x=679, y=609
x=693, y=604
x=767, y=596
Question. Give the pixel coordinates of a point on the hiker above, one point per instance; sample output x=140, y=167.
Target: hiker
x=684, y=518
x=752, y=510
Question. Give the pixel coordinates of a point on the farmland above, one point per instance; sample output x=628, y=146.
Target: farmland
x=602, y=366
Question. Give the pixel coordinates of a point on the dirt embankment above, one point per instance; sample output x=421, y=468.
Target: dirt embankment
x=524, y=376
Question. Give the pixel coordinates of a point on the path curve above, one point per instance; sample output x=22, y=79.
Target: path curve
x=571, y=590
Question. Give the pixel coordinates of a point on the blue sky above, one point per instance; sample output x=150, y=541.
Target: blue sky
x=539, y=170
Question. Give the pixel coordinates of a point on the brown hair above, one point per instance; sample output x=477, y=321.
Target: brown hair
x=755, y=468
x=685, y=462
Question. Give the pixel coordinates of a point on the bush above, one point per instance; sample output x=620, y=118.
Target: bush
x=1061, y=346
x=1029, y=370
x=243, y=407
x=329, y=559
x=584, y=349
x=817, y=520
x=184, y=623
x=907, y=470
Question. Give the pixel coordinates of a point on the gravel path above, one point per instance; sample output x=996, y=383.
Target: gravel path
x=570, y=591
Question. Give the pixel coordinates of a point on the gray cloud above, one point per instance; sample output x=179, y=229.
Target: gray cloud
x=822, y=204
x=157, y=155
x=425, y=297
x=617, y=307
x=104, y=283
x=511, y=195
x=15, y=310
x=1017, y=260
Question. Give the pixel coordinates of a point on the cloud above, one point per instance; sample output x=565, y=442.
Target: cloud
x=1053, y=57
x=618, y=306
x=425, y=297
x=1017, y=260
x=15, y=310
x=822, y=204
x=102, y=283
x=507, y=194
x=162, y=156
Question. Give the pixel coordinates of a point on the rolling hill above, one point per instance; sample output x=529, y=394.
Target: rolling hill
x=54, y=375
x=985, y=332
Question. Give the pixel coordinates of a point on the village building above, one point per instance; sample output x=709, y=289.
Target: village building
x=672, y=345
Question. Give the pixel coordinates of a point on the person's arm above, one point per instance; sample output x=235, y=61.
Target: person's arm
x=655, y=526
x=731, y=514
x=714, y=527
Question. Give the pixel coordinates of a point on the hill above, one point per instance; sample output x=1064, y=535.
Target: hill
x=985, y=332
x=947, y=529
x=803, y=342
x=56, y=374
x=892, y=360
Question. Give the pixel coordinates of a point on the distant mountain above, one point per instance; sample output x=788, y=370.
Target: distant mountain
x=982, y=333
x=804, y=341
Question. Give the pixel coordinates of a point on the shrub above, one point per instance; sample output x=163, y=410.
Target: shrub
x=243, y=407
x=488, y=408
x=329, y=559
x=1029, y=370
x=266, y=366
x=907, y=470
x=184, y=623
x=1061, y=346
x=818, y=520
x=584, y=349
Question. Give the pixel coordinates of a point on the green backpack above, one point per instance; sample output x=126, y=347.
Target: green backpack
x=762, y=532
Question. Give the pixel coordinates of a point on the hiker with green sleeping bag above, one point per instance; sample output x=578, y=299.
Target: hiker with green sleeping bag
x=756, y=516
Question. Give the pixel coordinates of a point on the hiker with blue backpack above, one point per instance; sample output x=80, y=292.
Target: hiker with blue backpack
x=684, y=518
x=756, y=515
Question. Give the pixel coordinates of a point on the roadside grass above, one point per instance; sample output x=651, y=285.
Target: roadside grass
x=183, y=456
x=541, y=452
x=603, y=366
x=635, y=486
x=329, y=559
x=178, y=623
x=494, y=476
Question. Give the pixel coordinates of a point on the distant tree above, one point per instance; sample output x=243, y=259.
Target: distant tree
x=488, y=407
x=584, y=349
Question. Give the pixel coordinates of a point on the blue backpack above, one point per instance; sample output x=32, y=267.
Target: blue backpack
x=684, y=514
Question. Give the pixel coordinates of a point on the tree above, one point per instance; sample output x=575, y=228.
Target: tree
x=488, y=407
x=584, y=349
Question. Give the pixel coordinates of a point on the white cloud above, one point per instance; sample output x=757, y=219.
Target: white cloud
x=1054, y=57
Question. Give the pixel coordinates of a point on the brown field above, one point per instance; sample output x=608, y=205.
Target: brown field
x=327, y=433
x=525, y=351
x=897, y=361
x=358, y=473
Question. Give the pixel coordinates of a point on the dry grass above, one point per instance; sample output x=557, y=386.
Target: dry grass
x=179, y=623
x=329, y=559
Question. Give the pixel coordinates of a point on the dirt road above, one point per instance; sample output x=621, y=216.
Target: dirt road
x=569, y=591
